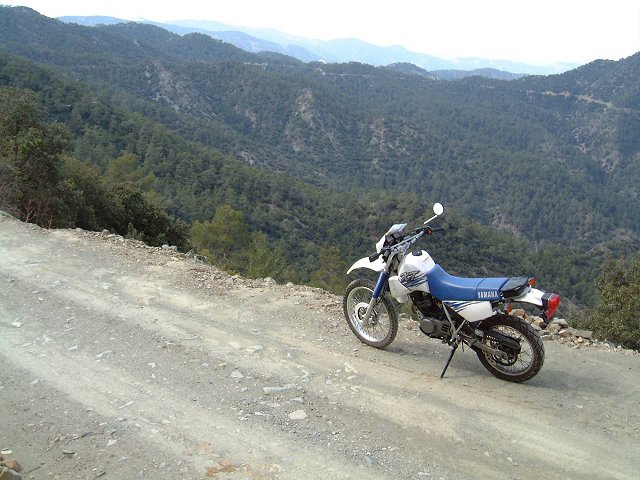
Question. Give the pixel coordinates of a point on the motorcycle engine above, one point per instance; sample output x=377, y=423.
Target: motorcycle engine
x=433, y=323
x=432, y=327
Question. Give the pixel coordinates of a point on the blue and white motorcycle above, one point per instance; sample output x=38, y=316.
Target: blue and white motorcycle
x=471, y=311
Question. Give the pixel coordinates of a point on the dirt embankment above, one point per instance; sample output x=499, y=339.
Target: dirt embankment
x=119, y=361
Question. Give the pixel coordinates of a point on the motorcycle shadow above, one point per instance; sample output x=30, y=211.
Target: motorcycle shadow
x=431, y=355
x=465, y=366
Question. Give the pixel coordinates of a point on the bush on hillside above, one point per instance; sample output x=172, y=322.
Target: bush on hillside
x=39, y=185
x=616, y=315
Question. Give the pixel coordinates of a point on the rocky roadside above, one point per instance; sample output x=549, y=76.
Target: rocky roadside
x=559, y=331
x=9, y=466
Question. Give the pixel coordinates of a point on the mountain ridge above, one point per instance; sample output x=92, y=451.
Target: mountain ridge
x=331, y=51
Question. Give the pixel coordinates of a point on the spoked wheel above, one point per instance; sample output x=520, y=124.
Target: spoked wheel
x=517, y=365
x=383, y=323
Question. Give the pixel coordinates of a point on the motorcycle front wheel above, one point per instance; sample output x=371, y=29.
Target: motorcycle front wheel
x=514, y=366
x=383, y=323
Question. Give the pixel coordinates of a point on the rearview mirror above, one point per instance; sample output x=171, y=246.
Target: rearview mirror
x=438, y=209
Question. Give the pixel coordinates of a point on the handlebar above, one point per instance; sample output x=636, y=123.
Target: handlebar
x=375, y=256
x=409, y=240
x=427, y=230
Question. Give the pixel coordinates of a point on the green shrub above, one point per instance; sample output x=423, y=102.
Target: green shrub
x=616, y=315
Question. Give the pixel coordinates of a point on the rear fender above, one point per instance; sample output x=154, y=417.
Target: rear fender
x=546, y=301
x=377, y=265
x=532, y=296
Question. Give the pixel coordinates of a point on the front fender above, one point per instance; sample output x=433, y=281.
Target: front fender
x=376, y=266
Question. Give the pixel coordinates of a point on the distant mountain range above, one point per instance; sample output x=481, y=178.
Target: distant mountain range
x=340, y=50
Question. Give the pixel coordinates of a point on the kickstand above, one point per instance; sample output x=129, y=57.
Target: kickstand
x=454, y=347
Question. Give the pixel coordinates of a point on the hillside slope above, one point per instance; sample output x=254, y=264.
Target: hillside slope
x=126, y=361
x=497, y=151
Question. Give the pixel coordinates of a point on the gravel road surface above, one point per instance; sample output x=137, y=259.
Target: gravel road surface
x=120, y=361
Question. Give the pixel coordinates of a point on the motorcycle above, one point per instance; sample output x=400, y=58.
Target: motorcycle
x=468, y=311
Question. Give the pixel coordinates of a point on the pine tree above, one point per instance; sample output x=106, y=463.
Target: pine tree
x=30, y=157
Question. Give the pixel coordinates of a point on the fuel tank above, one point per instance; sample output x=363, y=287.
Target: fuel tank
x=412, y=275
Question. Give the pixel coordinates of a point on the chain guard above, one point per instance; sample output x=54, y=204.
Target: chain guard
x=504, y=343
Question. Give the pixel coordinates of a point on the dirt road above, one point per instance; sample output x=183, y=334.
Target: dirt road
x=119, y=361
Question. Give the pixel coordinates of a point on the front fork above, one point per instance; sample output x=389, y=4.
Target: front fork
x=377, y=293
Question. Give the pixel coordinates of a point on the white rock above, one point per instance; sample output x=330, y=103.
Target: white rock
x=349, y=369
x=272, y=390
x=298, y=415
x=560, y=321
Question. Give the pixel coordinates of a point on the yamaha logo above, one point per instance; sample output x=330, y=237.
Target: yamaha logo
x=488, y=294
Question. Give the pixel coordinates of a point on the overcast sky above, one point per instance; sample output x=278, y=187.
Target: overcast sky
x=538, y=32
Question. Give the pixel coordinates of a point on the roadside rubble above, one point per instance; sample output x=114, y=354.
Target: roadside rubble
x=560, y=331
x=9, y=466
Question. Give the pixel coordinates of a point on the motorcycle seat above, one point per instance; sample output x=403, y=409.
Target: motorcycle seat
x=514, y=287
x=448, y=287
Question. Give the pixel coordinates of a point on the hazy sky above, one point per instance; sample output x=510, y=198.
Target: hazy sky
x=538, y=32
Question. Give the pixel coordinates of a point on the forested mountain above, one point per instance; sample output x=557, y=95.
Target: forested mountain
x=326, y=155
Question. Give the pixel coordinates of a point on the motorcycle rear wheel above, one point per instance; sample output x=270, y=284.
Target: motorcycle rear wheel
x=383, y=322
x=518, y=367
